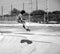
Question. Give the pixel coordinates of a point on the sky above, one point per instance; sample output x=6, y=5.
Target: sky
x=18, y=4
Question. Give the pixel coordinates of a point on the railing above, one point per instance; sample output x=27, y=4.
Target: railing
x=8, y=18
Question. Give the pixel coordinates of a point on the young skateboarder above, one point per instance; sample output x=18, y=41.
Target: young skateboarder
x=20, y=20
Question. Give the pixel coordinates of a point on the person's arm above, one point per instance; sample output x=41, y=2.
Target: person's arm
x=19, y=18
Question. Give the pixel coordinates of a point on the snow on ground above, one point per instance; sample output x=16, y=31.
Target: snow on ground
x=48, y=40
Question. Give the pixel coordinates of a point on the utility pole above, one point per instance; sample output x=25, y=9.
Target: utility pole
x=23, y=5
x=30, y=10
x=2, y=10
x=47, y=6
x=11, y=7
x=36, y=5
x=46, y=15
x=30, y=5
x=47, y=9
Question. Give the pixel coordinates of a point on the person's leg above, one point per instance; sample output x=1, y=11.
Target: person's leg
x=27, y=29
x=24, y=26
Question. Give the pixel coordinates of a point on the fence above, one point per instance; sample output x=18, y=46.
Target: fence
x=8, y=18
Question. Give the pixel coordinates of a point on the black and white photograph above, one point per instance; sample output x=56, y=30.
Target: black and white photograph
x=29, y=26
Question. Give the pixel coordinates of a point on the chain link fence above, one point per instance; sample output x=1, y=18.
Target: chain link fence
x=8, y=19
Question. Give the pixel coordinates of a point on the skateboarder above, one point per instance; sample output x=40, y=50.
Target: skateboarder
x=20, y=20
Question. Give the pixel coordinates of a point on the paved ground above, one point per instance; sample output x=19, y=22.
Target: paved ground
x=46, y=40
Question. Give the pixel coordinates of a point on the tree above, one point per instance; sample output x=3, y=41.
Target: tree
x=15, y=12
x=56, y=12
x=57, y=15
x=38, y=15
x=50, y=16
x=38, y=12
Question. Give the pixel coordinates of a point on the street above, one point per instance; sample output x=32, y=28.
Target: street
x=45, y=40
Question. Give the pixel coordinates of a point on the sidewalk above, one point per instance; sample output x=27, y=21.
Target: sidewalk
x=15, y=23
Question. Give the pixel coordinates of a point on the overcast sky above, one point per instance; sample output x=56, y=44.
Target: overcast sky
x=52, y=5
